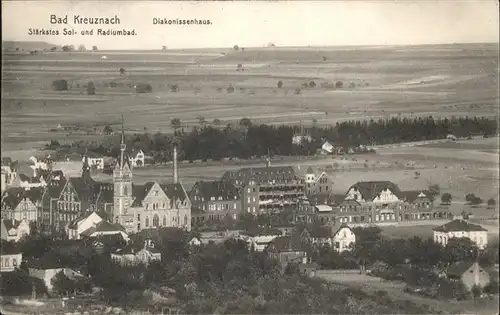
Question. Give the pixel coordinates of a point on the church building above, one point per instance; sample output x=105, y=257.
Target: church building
x=152, y=205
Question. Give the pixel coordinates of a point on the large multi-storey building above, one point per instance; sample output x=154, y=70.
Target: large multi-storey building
x=214, y=200
x=383, y=201
x=267, y=189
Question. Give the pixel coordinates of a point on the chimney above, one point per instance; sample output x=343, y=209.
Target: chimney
x=175, y=163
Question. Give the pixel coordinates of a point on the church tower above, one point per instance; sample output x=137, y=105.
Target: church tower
x=122, y=180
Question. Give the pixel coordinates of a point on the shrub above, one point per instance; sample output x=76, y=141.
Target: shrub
x=60, y=85
x=339, y=84
x=491, y=288
x=143, y=88
x=446, y=198
x=90, y=88
x=230, y=89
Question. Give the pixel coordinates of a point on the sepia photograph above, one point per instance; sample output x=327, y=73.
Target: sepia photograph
x=249, y=157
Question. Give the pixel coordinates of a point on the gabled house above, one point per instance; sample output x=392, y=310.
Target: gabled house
x=137, y=158
x=461, y=228
x=317, y=184
x=133, y=254
x=14, y=230
x=327, y=148
x=320, y=236
x=158, y=205
x=75, y=228
x=107, y=243
x=287, y=249
x=9, y=172
x=470, y=273
x=95, y=161
x=215, y=200
x=20, y=204
x=49, y=204
x=47, y=267
x=258, y=239
x=344, y=239
x=105, y=228
x=10, y=257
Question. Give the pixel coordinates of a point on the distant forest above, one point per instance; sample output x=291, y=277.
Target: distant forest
x=248, y=140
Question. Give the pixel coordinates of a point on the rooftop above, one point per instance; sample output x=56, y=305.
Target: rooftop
x=459, y=225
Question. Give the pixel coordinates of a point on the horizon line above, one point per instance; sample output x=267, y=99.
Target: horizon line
x=272, y=47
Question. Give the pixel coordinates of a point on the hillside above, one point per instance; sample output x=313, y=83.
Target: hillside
x=26, y=46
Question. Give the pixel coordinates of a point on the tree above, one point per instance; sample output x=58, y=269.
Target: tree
x=216, y=122
x=236, y=47
x=312, y=84
x=122, y=71
x=324, y=58
x=491, y=203
x=339, y=84
x=94, y=48
x=163, y=48
x=90, y=88
x=446, y=198
x=143, y=88
x=460, y=249
x=476, y=201
x=239, y=67
x=82, y=48
x=280, y=84
x=245, y=122
x=60, y=85
x=53, y=48
x=230, y=89
x=68, y=48
x=298, y=91
x=175, y=123
x=434, y=189
x=352, y=85
x=469, y=197
x=62, y=284
x=174, y=88
x=107, y=130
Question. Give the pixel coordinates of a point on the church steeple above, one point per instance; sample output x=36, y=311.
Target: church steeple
x=123, y=146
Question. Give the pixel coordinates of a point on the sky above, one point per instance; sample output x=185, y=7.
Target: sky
x=255, y=24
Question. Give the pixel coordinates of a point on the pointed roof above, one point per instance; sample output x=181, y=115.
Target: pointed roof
x=343, y=226
x=458, y=268
x=216, y=189
x=370, y=190
x=309, y=170
x=288, y=243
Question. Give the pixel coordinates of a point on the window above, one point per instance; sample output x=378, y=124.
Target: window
x=14, y=262
x=185, y=219
x=147, y=221
x=139, y=217
x=164, y=221
x=248, y=190
x=234, y=206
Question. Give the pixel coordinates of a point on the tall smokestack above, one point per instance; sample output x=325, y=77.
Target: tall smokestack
x=175, y=164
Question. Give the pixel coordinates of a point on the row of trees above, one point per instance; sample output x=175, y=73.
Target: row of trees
x=247, y=140
x=470, y=198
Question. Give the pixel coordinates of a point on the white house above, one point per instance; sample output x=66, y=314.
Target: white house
x=10, y=259
x=75, y=228
x=259, y=241
x=344, y=239
x=132, y=255
x=13, y=230
x=137, y=158
x=47, y=271
x=327, y=147
x=461, y=228
x=38, y=164
x=298, y=139
x=31, y=182
x=195, y=241
x=95, y=162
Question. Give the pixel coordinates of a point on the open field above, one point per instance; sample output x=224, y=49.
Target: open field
x=395, y=291
x=389, y=81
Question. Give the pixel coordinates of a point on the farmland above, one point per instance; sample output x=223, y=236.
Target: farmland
x=442, y=81
x=388, y=81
